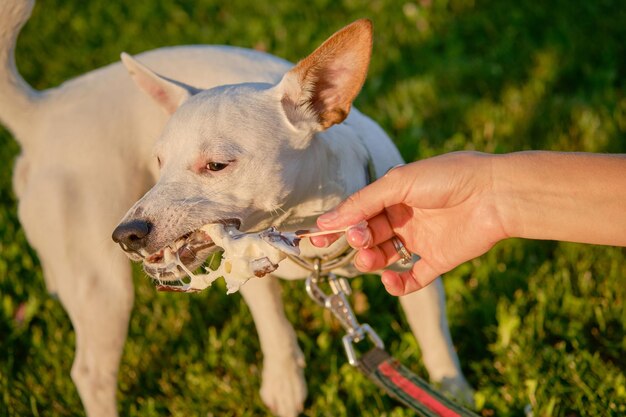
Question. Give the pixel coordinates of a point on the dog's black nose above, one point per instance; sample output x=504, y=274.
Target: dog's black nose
x=132, y=234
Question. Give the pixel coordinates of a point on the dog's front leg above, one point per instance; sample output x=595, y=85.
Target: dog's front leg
x=283, y=388
x=426, y=314
x=99, y=302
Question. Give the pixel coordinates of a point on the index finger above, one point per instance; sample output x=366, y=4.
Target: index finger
x=367, y=202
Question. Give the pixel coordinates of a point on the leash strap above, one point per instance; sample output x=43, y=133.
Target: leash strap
x=404, y=386
x=380, y=367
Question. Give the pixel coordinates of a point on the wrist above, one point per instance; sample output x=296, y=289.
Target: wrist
x=504, y=209
x=532, y=202
x=481, y=173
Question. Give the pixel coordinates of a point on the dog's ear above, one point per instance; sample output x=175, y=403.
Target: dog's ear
x=168, y=93
x=320, y=89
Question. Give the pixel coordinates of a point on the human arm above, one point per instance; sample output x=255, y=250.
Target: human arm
x=575, y=197
x=455, y=207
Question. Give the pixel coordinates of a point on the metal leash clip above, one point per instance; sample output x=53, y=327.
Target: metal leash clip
x=337, y=303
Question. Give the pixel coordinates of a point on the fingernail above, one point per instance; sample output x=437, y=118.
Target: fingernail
x=362, y=263
x=328, y=217
x=385, y=280
x=320, y=241
x=390, y=284
x=359, y=236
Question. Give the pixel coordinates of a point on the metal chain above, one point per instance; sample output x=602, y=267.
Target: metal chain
x=337, y=303
x=334, y=260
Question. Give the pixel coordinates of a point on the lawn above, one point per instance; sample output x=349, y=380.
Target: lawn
x=539, y=323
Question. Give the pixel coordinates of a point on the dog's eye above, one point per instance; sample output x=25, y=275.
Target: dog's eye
x=159, y=161
x=216, y=166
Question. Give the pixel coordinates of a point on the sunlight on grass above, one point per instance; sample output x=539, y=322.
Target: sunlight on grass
x=537, y=323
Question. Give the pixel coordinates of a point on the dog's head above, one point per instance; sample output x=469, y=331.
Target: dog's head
x=242, y=154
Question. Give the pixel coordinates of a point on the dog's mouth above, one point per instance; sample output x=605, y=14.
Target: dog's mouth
x=187, y=253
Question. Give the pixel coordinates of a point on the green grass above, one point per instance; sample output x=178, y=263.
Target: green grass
x=538, y=323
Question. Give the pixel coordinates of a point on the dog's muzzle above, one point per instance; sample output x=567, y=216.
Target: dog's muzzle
x=191, y=249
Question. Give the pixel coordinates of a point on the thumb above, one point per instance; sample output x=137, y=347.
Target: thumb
x=367, y=202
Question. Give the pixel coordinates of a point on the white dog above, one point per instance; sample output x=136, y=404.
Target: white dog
x=262, y=144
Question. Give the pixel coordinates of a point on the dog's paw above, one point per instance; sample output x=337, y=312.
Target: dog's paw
x=458, y=389
x=283, y=389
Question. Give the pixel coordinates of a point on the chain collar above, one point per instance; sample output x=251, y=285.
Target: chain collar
x=334, y=260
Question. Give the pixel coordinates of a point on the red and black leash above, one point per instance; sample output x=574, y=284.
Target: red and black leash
x=380, y=367
x=403, y=385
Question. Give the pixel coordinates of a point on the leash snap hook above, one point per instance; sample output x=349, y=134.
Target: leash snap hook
x=312, y=284
x=337, y=303
x=349, y=340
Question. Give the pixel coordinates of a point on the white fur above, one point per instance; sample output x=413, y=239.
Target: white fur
x=87, y=155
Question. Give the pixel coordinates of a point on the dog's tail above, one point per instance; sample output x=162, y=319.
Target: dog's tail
x=17, y=98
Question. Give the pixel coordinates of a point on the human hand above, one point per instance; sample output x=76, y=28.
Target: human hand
x=442, y=209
